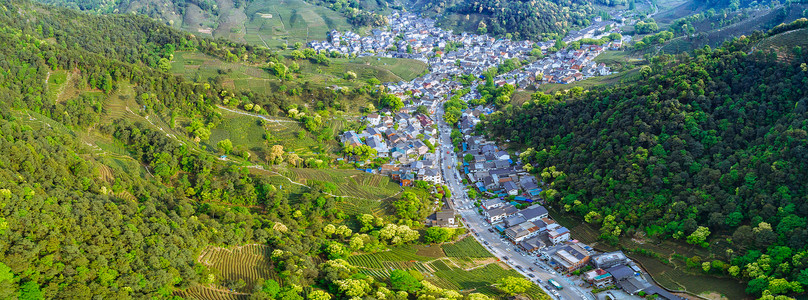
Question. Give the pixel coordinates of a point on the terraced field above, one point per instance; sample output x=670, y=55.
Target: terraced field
x=249, y=263
x=467, y=247
x=208, y=293
x=351, y=183
x=476, y=276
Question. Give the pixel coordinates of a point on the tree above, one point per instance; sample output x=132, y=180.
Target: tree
x=318, y=295
x=757, y=286
x=275, y=155
x=350, y=75
x=293, y=159
x=403, y=281
x=699, y=237
x=409, y=206
x=298, y=55
x=436, y=235
x=271, y=288
x=225, y=146
x=366, y=221
x=30, y=291
x=468, y=157
x=353, y=287
x=298, y=45
x=164, y=65
x=513, y=285
x=8, y=288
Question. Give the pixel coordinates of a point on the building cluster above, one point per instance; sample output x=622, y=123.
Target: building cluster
x=404, y=137
x=565, y=66
x=491, y=169
x=449, y=54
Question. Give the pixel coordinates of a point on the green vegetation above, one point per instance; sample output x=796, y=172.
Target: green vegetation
x=512, y=19
x=113, y=186
x=467, y=247
x=693, y=145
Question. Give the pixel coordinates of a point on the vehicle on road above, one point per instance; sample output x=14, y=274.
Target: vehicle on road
x=485, y=242
x=519, y=267
x=505, y=258
x=555, y=284
x=531, y=269
x=531, y=275
x=555, y=293
x=490, y=229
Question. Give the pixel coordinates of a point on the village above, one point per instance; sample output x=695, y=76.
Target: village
x=505, y=198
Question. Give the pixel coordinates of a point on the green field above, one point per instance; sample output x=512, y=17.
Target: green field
x=453, y=271
x=291, y=21
x=351, y=183
x=242, y=77
x=467, y=247
x=249, y=263
x=785, y=42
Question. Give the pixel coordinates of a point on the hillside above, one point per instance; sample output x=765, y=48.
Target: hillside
x=120, y=180
x=522, y=19
x=709, y=149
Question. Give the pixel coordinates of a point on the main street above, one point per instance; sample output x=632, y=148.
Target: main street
x=498, y=246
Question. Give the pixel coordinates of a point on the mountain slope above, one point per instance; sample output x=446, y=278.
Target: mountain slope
x=715, y=141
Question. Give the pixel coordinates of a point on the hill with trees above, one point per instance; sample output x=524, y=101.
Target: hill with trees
x=705, y=147
x=108, y=190
x=533, y=20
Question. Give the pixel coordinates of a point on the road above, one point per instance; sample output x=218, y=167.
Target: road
x=499, y=247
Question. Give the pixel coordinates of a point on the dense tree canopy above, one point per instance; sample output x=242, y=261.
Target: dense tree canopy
x=713, y=142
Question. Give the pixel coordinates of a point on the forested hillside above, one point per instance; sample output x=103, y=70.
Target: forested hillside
x=131, y=219
x=521, y=19
x=705, y=147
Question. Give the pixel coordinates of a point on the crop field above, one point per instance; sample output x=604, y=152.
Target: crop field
x=245, y=132
x=476, y=278
x=208, y=293
x=352, y=183
x=249, y=263
x=272, y=23
x=442, y=271
x=397, y=254
x=785, y=42
x=467, y=247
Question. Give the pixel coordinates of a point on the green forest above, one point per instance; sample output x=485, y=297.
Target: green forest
x=131, y=219
x=534, y=20
x=708, y=147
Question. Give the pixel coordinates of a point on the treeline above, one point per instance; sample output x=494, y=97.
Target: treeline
x=710, y=142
